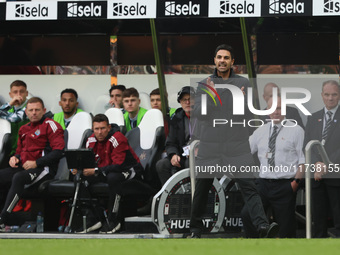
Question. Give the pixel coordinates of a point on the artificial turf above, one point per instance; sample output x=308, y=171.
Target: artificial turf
x=233, y=246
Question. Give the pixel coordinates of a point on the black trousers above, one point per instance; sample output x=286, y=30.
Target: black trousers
x=13, y=181
x=278, y=195
x=325, y=202
x=120, y=184
x=249, y=193
x=165, y=170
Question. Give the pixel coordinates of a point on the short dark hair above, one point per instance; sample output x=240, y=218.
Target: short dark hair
x=225, y=47
x=130, y=92
x=72, y=91
x=36, y=100
x=18, y=83
x=157, y=92
x=120, y=87
x=100, y=118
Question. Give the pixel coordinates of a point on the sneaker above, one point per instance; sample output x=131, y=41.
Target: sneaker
x=110, y=228
x=269, y=231
x=90, y=227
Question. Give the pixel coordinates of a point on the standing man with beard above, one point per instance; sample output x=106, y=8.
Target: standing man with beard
x=69, y=105
x=225, y=145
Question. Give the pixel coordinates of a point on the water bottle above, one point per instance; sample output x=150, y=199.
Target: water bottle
x=40, y=223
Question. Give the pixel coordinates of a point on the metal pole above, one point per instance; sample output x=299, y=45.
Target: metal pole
x=249, y=62
x=325, y=159
x=160, y=71
x=192, y=167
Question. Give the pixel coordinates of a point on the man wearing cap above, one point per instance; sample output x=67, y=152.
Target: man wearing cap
x=178, y=140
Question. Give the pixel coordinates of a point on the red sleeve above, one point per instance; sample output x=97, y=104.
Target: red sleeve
x=55, y=134
x=120, y=146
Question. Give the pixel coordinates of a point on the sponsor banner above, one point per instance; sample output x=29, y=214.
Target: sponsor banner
x=82, y=10
x=182, y=8
x=326, y=7
x=234, y=8
x=286, y=8
x=31, y=10
x=132, y=9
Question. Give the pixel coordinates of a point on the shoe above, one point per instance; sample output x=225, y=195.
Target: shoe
x=269, y=231
x=110, y=228
x=146, y=209
x=19, y=206
x=90, y=227
x=194, y=235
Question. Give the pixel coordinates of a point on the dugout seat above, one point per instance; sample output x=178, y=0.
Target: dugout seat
x=76, y=135
x=100, y=104
x=144, y=100
x=116, y=116
x=5, y=142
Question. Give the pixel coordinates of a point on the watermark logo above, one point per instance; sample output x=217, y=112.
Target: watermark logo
x=204, y=97
x=238, y=100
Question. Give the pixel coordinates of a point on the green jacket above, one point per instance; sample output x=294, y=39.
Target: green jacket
x=140, y=115
x=172, y=111
x=59, y=117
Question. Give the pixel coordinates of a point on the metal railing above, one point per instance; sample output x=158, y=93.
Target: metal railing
x=326, y=161
x=193, y=146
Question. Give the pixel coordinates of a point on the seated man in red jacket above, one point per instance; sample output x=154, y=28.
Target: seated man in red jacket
x=40, y=146
x=117, y=163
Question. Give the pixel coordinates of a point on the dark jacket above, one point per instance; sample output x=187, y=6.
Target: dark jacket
x=223, y=144
x=176, y=138
x=313, y=131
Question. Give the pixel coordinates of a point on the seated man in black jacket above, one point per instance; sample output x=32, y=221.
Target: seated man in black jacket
x=180, y=134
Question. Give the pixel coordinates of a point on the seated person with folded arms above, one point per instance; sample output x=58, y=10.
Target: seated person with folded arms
x=133, y=113
x=117, y=163
x=69, y=105
x=14, y=110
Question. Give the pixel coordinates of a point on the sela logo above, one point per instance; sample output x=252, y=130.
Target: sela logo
x=236, y=7
x=120, y=9
x=238, y=100
x=331, y=6
x=24, y=11
x=173, y=9
x=83, y=10
x=280, y=7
